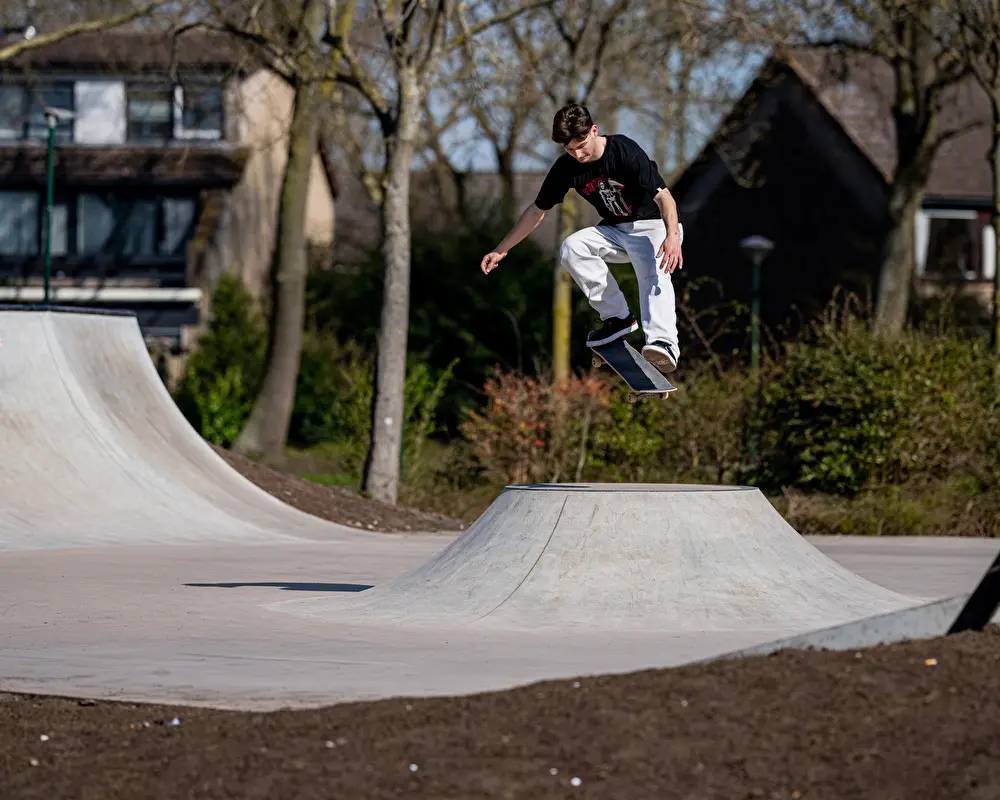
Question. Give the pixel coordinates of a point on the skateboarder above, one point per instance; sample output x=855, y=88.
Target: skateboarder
x=638, y=224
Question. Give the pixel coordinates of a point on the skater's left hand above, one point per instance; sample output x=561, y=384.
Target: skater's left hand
x=671, y=251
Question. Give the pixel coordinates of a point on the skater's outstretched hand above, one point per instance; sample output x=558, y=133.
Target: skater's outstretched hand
x=491, y=261
x=670, y=251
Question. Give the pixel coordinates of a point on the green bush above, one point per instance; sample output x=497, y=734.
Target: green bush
x=850, y=410
x=333, y=400
x=694, y=436
x=333, y=394
x=223, y=374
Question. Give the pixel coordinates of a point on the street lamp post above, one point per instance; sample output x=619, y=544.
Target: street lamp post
x=52, y=117
x=756, y=248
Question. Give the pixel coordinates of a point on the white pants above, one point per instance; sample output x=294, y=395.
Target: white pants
x=586, y=254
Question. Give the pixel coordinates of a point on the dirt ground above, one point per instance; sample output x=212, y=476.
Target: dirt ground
x=917, y=720
x=336, y=504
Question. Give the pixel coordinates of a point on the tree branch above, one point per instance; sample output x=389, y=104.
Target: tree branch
x=500, y=19
x=277, y=59
x=358, y=81
x=955, y=132
x=439, y=22
x=12, y=51
x=606, y=24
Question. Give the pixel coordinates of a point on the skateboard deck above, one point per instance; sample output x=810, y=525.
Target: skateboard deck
x=639, y=375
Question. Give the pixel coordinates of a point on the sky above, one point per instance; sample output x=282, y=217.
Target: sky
x=472, y=151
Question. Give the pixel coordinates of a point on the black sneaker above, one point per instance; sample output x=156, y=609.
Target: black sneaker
x=611, y=329
x=661, y=355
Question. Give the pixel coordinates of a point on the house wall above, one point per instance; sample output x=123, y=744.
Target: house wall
x=244, y=239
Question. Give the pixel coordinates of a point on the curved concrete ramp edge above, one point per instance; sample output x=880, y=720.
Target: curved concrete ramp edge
x=621, y=557
x=97, y=453
x=928, y=621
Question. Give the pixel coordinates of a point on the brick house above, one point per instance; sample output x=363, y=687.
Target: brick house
x=166, y=175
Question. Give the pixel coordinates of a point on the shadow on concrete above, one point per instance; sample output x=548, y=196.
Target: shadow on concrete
x=289, y=586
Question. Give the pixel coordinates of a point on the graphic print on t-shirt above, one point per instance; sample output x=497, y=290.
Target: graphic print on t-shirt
x=611, y=194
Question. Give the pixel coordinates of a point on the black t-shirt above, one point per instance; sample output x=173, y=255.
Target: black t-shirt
x=620, y=184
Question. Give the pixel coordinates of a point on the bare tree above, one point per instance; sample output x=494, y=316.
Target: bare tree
x=899, y=34
x=394, y=79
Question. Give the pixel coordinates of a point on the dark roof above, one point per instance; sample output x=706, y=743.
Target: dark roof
x=205, y=167
x=137, y=51
x=857, y=90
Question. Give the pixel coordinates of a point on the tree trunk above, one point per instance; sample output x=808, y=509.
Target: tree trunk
x=916, y=144
x=680, y=115
x=508, y=197
x=562, y=297
x=381, y=478
x=995, y=222
x=266, y=430
x=896, y=278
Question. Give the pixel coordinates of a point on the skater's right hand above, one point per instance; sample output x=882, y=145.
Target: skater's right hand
x=491, y=261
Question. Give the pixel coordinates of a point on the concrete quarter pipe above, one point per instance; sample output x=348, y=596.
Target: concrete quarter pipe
x=622, y=557
x=96, y=452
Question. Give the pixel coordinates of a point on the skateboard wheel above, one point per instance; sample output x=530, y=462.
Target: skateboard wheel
x=631, y=398
x=596, y=362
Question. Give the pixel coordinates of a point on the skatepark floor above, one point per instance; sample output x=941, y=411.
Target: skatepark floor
x=909, y=720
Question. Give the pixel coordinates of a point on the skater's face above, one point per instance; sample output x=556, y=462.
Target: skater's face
x=584, y=148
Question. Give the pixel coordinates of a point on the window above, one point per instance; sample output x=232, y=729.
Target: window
x=95, y=224
x=136, y=234
x=136, y=227
x=11, y=112
x=22, y=111
x=57, y=95
x=111, y=226
x=19, y=234
x=198, y=109
x=178, y=221
x=150, y=112
x=951, y=245
x=60, y=229
x=954, y=249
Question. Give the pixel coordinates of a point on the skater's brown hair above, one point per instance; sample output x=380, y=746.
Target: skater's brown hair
x=571, y=122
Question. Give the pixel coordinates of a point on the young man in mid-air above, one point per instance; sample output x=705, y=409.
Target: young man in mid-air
x=638, y=225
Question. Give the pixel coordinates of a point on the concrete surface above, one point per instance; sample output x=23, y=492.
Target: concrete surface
x=620, y=557
x=134, y=564
x=188, y=623
x=96, y=452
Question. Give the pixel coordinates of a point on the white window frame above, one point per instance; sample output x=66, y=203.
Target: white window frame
x=922, y=230
x=180, y=132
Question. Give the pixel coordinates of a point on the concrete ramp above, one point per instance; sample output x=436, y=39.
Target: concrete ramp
x=96, y=452
x=621, y=557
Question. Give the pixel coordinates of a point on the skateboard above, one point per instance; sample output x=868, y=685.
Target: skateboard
x=639, y=375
